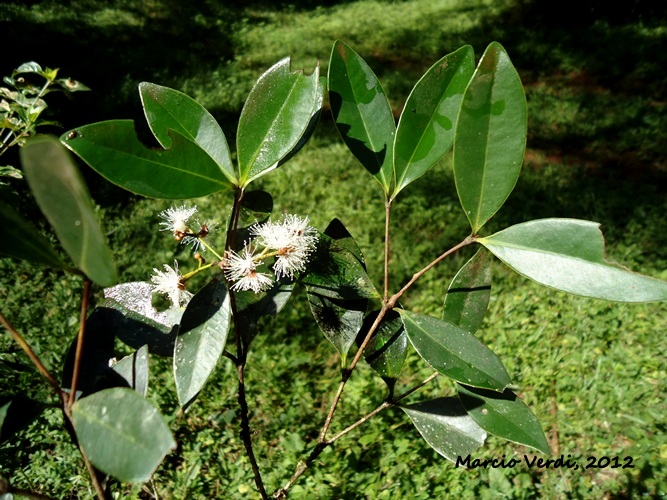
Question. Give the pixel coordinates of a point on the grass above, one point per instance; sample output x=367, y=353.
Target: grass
x=591, y=371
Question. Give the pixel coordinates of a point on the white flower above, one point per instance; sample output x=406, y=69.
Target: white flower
x=169, y=283
x=293, y=239
x=257, y=282
x=242, y=269
x=176, y=218
x=289, y=261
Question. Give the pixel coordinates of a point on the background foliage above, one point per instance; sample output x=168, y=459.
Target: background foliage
x=592, y=372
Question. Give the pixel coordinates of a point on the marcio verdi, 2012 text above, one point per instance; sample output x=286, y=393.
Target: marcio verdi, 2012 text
x=541, y=463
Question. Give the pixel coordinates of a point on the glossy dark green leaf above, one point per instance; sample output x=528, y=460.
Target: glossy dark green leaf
x=201, y=339
x=16, y=413
x=568, y=255
x=339, y=320
x=168, y=109
x=446, y=427
x=26, y=242
x=490, y=137
x=334, y=272
x=454, y=352
x=504, y=415
x=362, y=113
x=312, y=124
x=63, y=198
x=425, y=130
x=469, y=292
x=388, y=348
x=252, y=307
x=134, y=369
x=276, y=115
x=339, y=233
x=122, y=433
x=113, y=149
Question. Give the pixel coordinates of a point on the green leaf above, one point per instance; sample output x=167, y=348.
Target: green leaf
x=312, y=124
x=469, y=292
x=339, y=320
x=446, y=427
x=134, y=369
x=425, y=130
x=504, y=415
x=454, y=352
x=276, y=115
x=113, y=149
x=336, y=273
x=362, y=113
x=16, y=413
x=388, y=348
x=128, y=312
x=63, y=198
x=9, y=171
x=201, y=339
x=490, y=137
x=29, y=67
x=26, y=242
x=70, y=85
x=168, y=109
x=252, y=307
x=339, y=233
x=568, y=255
x=122, y=433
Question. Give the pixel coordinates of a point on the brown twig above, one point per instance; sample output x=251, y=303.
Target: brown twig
x=390, y=304
x=241, y=355
x=31, y=354
x=79, y=341
x=387, y=218
x=66, y=405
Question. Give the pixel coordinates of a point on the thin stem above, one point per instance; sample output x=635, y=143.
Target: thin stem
x=390, y=304
x=394, y=299
x=241, y=354
x=246, y=434
x=79, y=342
x=209, y=247
x=348, y=372
x=61, y=394
x=387, y=218
x=31, y=354
x=189, y=275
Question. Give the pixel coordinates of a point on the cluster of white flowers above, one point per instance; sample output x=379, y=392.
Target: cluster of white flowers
x=169, y=282
x=291, y=242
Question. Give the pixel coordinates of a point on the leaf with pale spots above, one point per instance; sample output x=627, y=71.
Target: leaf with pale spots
x=504, y=415
x=446, y=427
